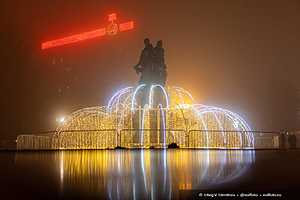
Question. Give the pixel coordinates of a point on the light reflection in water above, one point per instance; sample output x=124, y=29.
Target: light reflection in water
x=151, y=174
x=141, y=174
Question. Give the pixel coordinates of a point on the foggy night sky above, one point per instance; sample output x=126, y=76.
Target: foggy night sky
x=240, y=55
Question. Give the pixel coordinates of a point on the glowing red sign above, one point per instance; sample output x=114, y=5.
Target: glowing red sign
x=112, y=29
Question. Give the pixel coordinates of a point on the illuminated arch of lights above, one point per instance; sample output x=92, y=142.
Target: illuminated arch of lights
x=151, y=116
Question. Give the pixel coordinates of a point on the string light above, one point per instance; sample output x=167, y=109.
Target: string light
x=147, y=116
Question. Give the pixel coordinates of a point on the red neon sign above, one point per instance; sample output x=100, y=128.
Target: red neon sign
x=112, y=29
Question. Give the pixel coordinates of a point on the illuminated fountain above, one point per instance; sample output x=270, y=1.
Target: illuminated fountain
x=179, y=119
x=147, y=117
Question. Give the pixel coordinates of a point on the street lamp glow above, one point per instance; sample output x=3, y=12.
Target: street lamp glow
x=60, y=119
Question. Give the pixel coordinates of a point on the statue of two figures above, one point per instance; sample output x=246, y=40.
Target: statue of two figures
x=152, y=65
x=152, y=68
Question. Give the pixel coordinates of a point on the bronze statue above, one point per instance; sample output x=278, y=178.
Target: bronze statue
x=152, y=64
x=159, y=64
x=145, y=63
